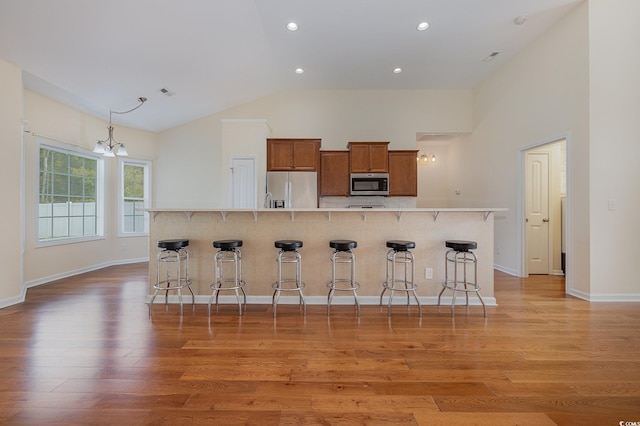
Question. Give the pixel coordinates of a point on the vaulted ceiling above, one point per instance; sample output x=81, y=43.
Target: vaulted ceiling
x=211, y=55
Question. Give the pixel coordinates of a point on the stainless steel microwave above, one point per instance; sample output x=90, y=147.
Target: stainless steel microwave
x=369, y=184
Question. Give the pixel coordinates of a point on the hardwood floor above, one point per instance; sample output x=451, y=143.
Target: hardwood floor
x=84, y=351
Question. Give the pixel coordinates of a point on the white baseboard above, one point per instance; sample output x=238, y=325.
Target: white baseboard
x=506, y=270
x=44, y=280
x=624, y=297
x=67, y=274
x=4, y=303
x=322, y=300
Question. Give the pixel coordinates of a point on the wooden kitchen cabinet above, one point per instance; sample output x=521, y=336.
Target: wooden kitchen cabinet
x=334, y=173
x=403, y=173
x=369, y=157
x=290, y=155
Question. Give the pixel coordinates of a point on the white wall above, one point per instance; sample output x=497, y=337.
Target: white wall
x=540, y=95
x=11, y=105
x=189, y=166
x=433, y=182
x=614, y=88
x=51, y=120
x=245, y=138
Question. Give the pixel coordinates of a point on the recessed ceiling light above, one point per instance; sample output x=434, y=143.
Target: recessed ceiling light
x=299, y=70
x=422, y=26
x=292, y=26
x=397, y=70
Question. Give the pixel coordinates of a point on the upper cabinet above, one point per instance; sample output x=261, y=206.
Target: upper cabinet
x=291, y=155
x=334, y=173
x=369, y=157
x=403, y=173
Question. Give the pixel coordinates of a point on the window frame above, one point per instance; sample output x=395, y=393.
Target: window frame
x=146, y=165
x=100, y=190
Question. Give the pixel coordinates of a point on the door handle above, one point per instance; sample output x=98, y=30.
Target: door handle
x=545, y=220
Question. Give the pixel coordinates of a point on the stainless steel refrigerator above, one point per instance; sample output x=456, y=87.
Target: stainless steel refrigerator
x=292, y=190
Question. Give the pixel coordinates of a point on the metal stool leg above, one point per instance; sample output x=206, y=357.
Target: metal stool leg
x=343, y=284
x=222, y=281
x=405, y=283
x=460, y=259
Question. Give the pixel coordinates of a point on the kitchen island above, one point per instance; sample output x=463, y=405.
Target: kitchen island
x=371, y=228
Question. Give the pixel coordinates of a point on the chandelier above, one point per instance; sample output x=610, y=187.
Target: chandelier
x=110, y=147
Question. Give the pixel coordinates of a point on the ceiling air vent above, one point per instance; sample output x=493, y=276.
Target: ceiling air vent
x=491, y=56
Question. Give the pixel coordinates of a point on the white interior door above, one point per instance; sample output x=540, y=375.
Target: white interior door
x=243, y=183
x=537, y=212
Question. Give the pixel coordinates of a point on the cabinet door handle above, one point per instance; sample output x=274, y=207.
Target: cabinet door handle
x=545, y=220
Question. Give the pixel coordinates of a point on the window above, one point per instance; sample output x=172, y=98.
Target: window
x=69, y=195
x=134, y=178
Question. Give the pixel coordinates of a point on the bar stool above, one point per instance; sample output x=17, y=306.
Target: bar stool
x=288, y=254
x=458, y=256
x=400, y=259
x=172, y=265
x=343, y=255
x=228, y=254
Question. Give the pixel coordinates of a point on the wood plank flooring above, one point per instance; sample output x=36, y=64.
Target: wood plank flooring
x=83, y=351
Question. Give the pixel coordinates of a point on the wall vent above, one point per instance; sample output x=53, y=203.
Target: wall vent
x=491, y=56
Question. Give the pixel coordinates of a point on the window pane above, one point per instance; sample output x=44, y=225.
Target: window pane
x=76, y=226
x=46, y=159
x=45, y=183
x=45, y=208
x=135, y=197
x=76, y=166
x=133, y=181
x=76, y=206
x=60, y=206
x=60, y=162
x=44, y=228
x=90, y=187
x=128, y=224
x=90, y=225
x=129, y=207
x=90, y=208
x=139, y=224
x=60, y=184
x=60, y=227
x=90, y=167
x=68, y=193
x=76, y=185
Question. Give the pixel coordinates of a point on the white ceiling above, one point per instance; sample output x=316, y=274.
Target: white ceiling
x=98, y=55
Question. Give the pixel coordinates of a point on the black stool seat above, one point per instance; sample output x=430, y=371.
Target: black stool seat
x=401, y=245
x=288, y=245
x=343, y=245
x=227, y=245
x=460, y=245
x=175, y=244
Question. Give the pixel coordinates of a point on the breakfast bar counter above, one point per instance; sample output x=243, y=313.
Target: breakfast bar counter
x=429, y=228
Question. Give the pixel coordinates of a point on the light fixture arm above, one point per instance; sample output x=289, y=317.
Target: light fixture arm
x=108, y=146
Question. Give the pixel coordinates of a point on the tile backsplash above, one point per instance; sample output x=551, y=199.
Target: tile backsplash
x=374, y=201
